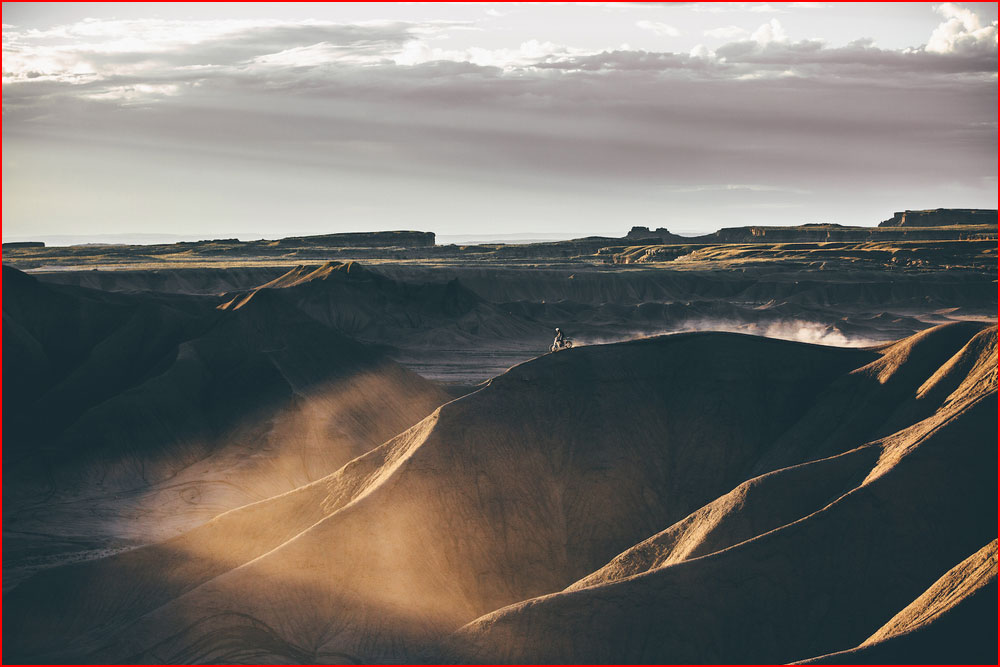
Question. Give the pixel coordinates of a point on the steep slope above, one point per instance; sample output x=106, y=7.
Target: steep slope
x=141, y=418
x=537, y=481
x=749, y=578
x=49, y=333
x=755, y=507
x=203, y=281
x=151, y=379
x=368, y=305
x=515, y=490
x=848, y=290
x=954, y=621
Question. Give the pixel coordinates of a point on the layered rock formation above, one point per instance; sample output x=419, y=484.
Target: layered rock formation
x=942, y=217
x=920, y=226
x=12, y=245
x=968, y=255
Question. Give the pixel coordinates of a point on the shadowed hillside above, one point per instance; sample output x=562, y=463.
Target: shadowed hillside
x=804, y=560
x=136, y=416
x=949, y=623
x=464, y=324
x=373, y=307
x=677, y=490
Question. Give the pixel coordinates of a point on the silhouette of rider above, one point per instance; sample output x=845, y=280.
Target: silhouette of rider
x=560, y=339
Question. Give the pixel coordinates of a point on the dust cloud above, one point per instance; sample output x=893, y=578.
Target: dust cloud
x=802, y=331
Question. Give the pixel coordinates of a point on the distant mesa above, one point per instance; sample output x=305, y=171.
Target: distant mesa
x=644, y=232
x=942, y=217
x=934, y=225
x=393, y=239
x=24, y=244
x=231, y=241
x=640, y=245
x=659, y=235
x=400, y=239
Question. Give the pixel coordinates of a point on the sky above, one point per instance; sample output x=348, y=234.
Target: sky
x=215, y=120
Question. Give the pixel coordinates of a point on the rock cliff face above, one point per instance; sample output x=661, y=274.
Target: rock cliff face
x=942, y=217
x=876, y=254
x=23, y=244
x=364, y=240
x=659, y=235
x=923, y=226
x=933, y=231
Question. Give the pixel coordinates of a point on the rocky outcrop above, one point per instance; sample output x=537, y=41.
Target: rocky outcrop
x=364, y=240
x=878, y=254
x=23, y=244
x=659, y=235
x=827, y=233
x=939, y=225
x=942, y=217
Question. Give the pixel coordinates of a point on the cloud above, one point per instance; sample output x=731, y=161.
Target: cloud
x=736, y=187
x=858, y=60
x=659, y=28
x=729, y=7
x=93, y=49
x=416, y=52
x=155, y=52
x=769, y=32
x=962, y=32
x=620, y=60
x=729, y=32
x=701, y=52
x=357, y=107
x=138, y=93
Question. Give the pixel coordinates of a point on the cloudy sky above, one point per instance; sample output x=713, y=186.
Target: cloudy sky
x=253, y=119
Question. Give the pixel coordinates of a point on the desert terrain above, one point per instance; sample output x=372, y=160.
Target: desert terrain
x=766, y=445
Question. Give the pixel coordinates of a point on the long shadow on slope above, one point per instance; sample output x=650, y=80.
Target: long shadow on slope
x=364, y=303
x=953, y=622
x=773, y=594
x=122, y=392
x=136, y=380
x=514, y=491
